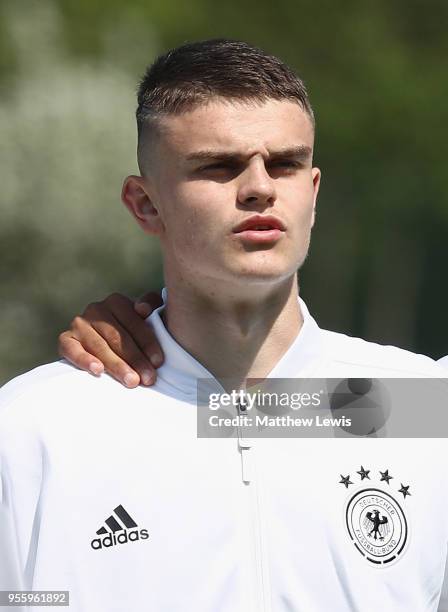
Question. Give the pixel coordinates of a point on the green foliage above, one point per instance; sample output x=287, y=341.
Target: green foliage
x=67, y=140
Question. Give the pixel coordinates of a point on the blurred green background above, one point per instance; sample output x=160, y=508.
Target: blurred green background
x=378, y=80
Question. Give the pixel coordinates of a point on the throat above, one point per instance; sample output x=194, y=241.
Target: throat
x=236, y=341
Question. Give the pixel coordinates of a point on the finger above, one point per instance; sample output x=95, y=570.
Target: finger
x=142, y=333
x=152, y=298
x=144, y=306
x=143, y=309
x=118, y=310
x=147, y=303
x=96, y=345
x=123, y=345
x=71, y=349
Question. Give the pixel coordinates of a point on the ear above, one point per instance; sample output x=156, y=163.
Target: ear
x=316, y=175
x=136, y=196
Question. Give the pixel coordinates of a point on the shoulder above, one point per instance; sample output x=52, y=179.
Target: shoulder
x=33, y=379
x=48, y=388
x=362, y=358
x=48, y=378
x=58, y=396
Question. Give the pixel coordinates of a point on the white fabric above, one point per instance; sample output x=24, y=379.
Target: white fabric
x=444, y=361
x=73, y=448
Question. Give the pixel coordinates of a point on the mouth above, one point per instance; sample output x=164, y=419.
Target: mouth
x=260, y=223
x=261, y=229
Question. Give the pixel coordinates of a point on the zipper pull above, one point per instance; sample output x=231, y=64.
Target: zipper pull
x=246, y=465
x=244, y=446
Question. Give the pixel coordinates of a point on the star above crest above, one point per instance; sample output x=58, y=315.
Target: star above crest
x=385, y=476
x=364, y=473
x=404, y=490
x=345, y=480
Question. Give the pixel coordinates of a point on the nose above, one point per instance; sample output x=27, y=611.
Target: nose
x=256, y=187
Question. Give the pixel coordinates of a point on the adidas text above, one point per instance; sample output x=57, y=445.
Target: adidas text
x=113, y=539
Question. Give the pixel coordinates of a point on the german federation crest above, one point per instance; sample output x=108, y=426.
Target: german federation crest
x=376, y=521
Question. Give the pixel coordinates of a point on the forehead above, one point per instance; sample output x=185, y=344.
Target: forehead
x=234, y=126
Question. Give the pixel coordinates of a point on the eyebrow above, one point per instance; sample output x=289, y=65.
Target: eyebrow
x=298, y=152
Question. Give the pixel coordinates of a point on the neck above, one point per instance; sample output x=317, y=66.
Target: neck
x=232, y=336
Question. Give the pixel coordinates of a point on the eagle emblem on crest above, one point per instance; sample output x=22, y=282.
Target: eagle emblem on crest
x=379, y=525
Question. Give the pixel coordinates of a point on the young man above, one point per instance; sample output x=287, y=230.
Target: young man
x=109, y=493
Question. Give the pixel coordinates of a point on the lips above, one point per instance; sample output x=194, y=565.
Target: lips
x=260, y=223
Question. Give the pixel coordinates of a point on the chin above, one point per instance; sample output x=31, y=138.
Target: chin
x=265, y=269
x=265, y=275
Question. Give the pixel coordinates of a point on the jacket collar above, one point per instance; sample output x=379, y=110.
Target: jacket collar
x=181, y=371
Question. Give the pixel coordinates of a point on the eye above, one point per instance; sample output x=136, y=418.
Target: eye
x=219, y=170
x=285, y=163
x=283, y=167
x=216, y=166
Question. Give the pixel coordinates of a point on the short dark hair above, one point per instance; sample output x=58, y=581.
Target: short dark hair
x=196, y=72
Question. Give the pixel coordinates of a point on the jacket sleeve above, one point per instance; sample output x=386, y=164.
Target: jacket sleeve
x=20, y=487
x=11, y=576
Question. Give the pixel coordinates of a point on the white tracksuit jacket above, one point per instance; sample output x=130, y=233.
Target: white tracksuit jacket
x=444, y=361
x=108, y=493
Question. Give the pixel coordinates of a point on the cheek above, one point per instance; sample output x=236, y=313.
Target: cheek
x=301, y=204
x=191, y=220
x=202, y=205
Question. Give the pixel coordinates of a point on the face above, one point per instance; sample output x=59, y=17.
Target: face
x=230, y=192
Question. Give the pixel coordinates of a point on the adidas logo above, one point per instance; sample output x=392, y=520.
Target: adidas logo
x=116, y=533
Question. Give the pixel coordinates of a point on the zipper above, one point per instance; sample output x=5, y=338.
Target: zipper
x=249, y=478
x=260, y=545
